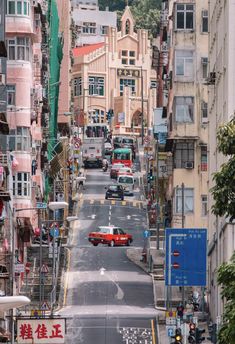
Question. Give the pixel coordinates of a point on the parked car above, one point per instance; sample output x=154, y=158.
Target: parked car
x=110, y=235
x=115, y=191
x=114, y=170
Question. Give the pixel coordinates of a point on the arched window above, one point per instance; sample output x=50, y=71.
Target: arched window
x=127, y=26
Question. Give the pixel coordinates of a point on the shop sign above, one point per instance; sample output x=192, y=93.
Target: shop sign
x=47, y=331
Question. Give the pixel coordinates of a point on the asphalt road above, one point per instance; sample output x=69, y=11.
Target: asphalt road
x=108, y=298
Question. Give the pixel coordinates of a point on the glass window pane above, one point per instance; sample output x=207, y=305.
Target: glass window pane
x=180, y=20
x=179, y=66
x=189, y=20
x=188, y=67
x=19, y=7
x=11, y=7
x=25, y=8
x=11, y=55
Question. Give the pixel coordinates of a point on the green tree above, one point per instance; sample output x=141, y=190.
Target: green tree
x=226, y=278
x=224, y=189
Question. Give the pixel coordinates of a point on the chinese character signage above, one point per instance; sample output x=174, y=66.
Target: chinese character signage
x=128, y=72
x=47, y=331
x=186, y=253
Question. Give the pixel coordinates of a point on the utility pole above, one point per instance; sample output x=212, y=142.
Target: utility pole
x=182, y=221
x=40, y=260
x=157, y=193
x=142, y=107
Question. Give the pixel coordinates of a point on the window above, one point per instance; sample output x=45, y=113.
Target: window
x=204, y=205
x=204, y=21
x=183, y=154
x=18, y=48
x=204, y=67
x=153, y=84
x=184, y=17
x=89, y=28
x=96, y=86
x=188, y=200
x=203, y=158
x=21, y=184
x=184, y=63
x=98, y=117
x=128, y=57
x=204, y=115
x=127, y=82
x=18, y=7
x=77, y=83
x=184, y=109
x=11, y=94
x=104, y=30
x=19, y=139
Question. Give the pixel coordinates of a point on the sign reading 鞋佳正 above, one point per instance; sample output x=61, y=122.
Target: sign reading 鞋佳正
x=46, y=331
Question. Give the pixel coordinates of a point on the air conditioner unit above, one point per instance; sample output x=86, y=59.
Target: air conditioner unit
x=34, y=184
x=204, y=60
x=2, y=79
x=189, y=165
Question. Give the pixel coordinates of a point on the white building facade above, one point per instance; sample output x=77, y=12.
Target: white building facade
x=91, y=24
x=221, y=109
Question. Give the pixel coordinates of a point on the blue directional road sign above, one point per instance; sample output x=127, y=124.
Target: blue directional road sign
x=186, y=252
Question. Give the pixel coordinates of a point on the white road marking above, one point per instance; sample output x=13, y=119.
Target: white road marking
x=128, y=217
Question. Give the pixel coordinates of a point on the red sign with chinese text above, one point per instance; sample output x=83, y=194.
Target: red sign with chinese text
x=47, y=331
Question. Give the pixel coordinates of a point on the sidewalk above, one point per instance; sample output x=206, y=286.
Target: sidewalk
x=155, y=267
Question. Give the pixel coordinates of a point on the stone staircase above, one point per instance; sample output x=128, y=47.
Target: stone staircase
x=31, y=282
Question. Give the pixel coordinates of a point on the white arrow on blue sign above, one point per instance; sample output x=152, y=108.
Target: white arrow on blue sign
x=170, y=330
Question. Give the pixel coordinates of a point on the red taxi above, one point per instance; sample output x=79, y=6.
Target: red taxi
x=110, y=235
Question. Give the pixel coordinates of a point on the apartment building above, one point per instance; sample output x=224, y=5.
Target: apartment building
x=221, y=109
x=108, y=76
x=187, y=144
x=24, y=103
x=91, y=24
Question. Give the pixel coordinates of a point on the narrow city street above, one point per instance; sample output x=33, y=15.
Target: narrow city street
x=108, y=298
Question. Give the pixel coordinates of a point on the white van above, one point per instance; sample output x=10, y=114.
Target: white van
x=128, y=183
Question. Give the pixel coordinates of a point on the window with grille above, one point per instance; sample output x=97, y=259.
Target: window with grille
x=21, y=184
x=96, y=86
x=187, y=200
x=204, y=159
x=129, y=83
x=18, y=7
x=20, y=139
x=19, y=48
x=183, y=154
x=204, y=67
x=89, y=28
x=77, y=83
x=184, y=109
x=184, y=17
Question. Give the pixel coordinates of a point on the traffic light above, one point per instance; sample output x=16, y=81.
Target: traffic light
x=178, y=336
x=199, y=333
x=192, y=333
x=150, y=176
x=212, y=329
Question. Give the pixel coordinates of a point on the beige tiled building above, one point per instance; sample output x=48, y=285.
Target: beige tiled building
x=107, y=76
x=187, y=112
x=221, y=108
